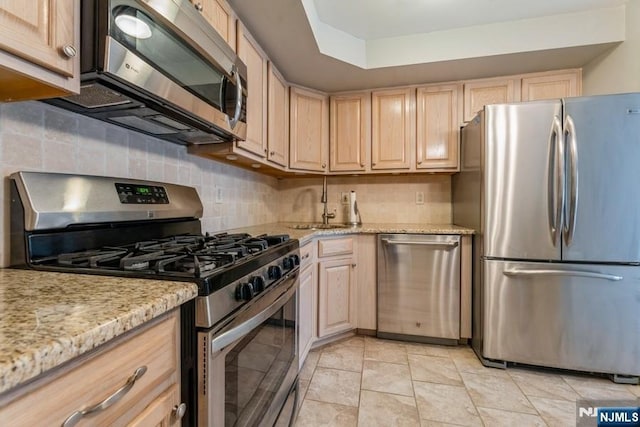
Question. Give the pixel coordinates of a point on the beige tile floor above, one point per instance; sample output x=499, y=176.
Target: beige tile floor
x=367, y=382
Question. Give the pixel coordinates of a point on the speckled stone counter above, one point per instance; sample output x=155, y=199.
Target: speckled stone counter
x=49, y=318
x=305, y=235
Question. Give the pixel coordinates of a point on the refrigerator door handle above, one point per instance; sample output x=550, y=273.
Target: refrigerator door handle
x=552, y=272
x=555, y=180
x=569, y=227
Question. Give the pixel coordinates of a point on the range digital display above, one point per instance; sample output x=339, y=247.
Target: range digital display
x=141, y=194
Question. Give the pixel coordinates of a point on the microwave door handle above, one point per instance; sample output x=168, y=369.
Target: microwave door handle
x=238, y=110
x=227, y=338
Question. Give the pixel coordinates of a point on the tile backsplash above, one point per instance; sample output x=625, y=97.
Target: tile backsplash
x=383, y=199
x=39, y=137
x=35, y=136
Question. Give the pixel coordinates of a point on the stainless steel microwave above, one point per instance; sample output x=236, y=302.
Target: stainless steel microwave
x=158, y=67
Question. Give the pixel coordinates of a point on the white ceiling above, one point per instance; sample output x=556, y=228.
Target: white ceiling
x=375, y=19
x=338, y=45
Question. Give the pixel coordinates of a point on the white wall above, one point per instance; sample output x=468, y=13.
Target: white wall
x=38, y=137
x=618, y=70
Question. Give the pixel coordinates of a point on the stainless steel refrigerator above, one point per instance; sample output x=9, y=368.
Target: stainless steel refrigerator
x=553, y=189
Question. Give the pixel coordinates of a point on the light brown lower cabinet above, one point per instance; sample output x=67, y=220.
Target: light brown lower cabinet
x=337, y=306
x=307, y=301
x=149, y=357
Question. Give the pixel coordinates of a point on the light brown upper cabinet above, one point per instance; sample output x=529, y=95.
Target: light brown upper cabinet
x=350, y=137
x=552, y=85
x=256, y=61
x=221, y=17
x=39, y=49
x=438, y=109
x=478, y=93
x=393, y=130
x=278, y=118
x=309, y=130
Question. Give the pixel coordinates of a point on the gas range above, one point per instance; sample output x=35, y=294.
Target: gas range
x=143, y=229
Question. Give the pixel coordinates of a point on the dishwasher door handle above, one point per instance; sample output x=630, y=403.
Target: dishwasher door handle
x=451, y=244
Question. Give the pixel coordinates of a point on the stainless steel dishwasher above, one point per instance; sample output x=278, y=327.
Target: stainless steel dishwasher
x=419, y=287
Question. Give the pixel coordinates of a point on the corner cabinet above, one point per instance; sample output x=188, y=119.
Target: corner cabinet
x=256, y=61
x=309, y=130
x=350, y=138
x=439, y=111
x=141, y=384
x=337, y=292
x=39, y=49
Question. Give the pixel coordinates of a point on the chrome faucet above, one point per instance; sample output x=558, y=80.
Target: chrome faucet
x=325, y=214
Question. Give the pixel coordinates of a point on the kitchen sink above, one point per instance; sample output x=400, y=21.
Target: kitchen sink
x=318, y=226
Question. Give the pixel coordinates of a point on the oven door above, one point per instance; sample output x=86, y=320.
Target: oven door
x=248, y=368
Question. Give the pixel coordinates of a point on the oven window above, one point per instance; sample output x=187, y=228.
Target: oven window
x=161, y=48
x=256, y=368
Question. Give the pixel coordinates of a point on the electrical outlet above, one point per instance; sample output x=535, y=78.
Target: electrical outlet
x=344, y=197
x=419, y=198
x=218, y=195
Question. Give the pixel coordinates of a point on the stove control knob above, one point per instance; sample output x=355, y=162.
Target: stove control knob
x=287, y=263
x=258, y=283
x=275, y=272
x=295, y=259
x=244, y=292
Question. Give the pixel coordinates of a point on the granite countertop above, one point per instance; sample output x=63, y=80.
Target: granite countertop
x=305, y=235
x=49, y=318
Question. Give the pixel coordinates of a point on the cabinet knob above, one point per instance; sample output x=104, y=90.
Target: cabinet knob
x=266, y=151
x=361, y=165
x=272, y=153
x=178, y=411
x=69, y=50
x=373, y=164
x=198, y=7
x=324, y=165
x=419, y=162
x=353, y=265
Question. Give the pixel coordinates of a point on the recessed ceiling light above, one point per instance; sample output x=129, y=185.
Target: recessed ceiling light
x=133, y=26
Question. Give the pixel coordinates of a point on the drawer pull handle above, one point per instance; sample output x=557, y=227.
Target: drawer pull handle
x=73, y=419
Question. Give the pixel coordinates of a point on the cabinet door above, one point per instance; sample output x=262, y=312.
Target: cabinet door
x=162, y=412
x=278, y=118
x=350, y=125
x=479, y=93
x=366, y=282
x=393, y=133
x=309, y=135
x=308, y=311
x=251, y=54
x=221, y=17
x=551, y=86
x=336, y=305
x=38, y=30
x=438, y=126
x=34, y=38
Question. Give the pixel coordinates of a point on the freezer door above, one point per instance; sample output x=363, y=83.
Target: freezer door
x=602, y=212
x=573, y=316
x=521, y=205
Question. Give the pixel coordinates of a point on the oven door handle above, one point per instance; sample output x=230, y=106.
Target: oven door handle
x=223, y=340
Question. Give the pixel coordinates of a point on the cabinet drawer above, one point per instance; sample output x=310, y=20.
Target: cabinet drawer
x=92, y=381
x=306, y=255
x=331, y=247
